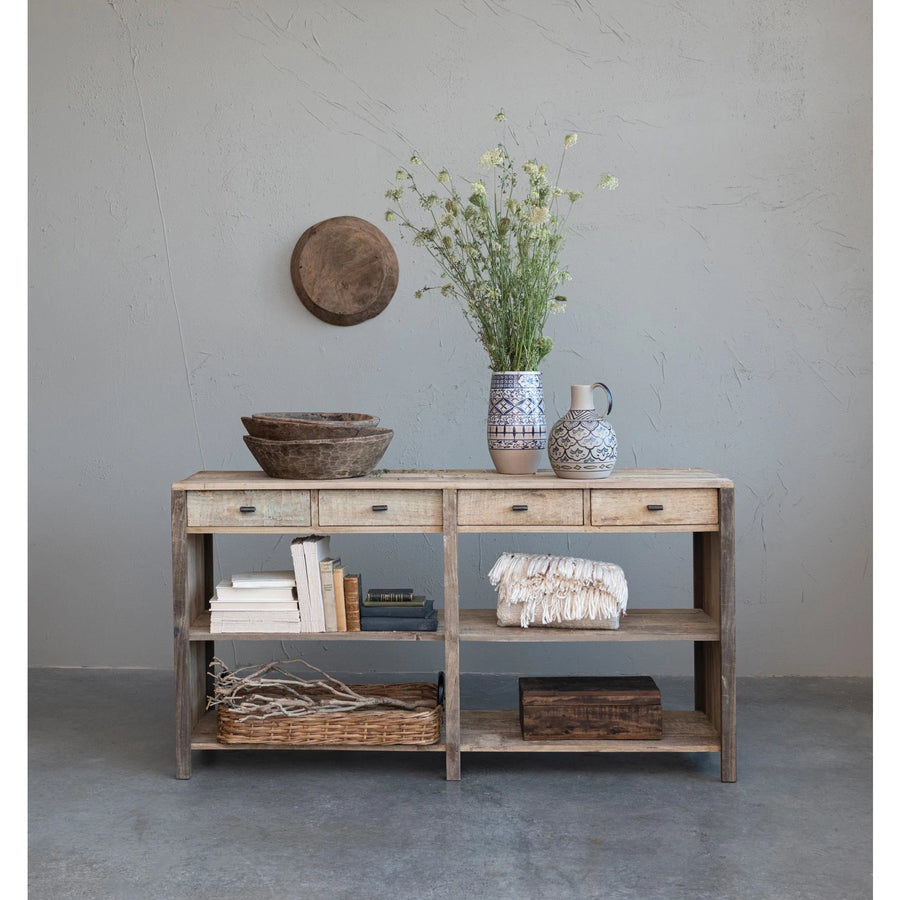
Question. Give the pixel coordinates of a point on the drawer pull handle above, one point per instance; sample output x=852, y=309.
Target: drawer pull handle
x=248, y=509
x=520, y=507
x=379, y=507
x=654, y=507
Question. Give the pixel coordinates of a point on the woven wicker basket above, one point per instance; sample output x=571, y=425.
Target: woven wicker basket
x=368, y=726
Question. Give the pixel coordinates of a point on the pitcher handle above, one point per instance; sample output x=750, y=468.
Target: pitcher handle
x=608, y=397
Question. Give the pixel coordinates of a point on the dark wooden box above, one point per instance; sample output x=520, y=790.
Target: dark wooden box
x=588, y=708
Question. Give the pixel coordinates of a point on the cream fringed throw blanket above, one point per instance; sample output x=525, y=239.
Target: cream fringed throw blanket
x=559, y=591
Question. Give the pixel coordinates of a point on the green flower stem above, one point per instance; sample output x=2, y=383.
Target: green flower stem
x=498, y=253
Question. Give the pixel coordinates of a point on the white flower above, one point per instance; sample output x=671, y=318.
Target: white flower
x=443, y=176
x=608, y=183
x=539, y=215
x=389, y=216
x=414, y=160
x=479, y=189
x=491, y=158
x=570, y=140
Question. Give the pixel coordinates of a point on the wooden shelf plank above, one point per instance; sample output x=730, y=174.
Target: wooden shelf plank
x=481, y=625
x=200, y=632
x=204, y=738
x=459, y=478
x=638, y=625
x=305, y=529
x=498, y=731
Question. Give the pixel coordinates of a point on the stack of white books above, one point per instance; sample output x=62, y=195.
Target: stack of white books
x=262, y=602
x=319, y=577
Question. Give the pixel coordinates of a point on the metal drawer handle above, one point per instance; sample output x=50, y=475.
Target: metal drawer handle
x=654, y=507
x=379, y=507
x=248, y=509
x=520, y=507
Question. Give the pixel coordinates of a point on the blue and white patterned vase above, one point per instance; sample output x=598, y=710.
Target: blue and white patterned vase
x=582, y=444
x=516, y=424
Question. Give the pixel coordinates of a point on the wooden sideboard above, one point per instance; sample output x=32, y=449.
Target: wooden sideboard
x=453, y=502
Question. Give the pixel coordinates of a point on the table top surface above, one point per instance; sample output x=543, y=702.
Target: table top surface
x=435, y=479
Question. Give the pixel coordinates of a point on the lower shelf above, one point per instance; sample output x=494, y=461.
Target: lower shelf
x=498, y=731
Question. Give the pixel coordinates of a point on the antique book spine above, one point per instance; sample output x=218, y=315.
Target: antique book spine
x=339, y=605
x=326, y=569
x=367, y=610
x=390, y=595
x=351, y=601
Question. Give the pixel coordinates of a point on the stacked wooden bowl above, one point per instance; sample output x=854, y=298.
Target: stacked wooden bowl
x=316, y=445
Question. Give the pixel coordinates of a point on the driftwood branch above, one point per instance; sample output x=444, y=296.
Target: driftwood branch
x=252, y=695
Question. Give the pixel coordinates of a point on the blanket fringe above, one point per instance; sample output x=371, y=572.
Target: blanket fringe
x=559, y=588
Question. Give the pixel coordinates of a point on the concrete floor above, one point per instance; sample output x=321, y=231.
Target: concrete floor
x=107, y=819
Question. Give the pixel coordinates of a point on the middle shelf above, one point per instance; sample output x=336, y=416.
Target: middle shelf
x=481, y=625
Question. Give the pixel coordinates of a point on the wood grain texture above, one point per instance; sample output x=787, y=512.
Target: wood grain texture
x=200, y=632
x=498, y=731
x=571, y=708
x=638, y=625
x=344, y=270
x=189, y=579
x=380, y=508
x=656, y=506
x=620, y=479
x=261, y=508
x=521, y=507
x=728, y=713
x=321, y=459
x=439, y=500
x=451, y=631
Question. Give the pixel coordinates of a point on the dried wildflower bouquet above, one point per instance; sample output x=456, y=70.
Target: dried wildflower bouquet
x=498, y=252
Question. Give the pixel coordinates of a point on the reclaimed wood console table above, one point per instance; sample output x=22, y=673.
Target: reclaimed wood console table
x=451, y=503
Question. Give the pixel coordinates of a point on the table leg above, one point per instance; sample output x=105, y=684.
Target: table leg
x=714, y=661
x=451, y=637
x=188, y=586
x=727, y=619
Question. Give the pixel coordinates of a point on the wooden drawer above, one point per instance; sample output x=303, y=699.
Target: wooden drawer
x=248, y=508
x=380, y=508
x=509, y=507
x=655, y=507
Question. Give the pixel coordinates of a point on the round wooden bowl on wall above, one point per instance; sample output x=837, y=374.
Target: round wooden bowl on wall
x=344, y=270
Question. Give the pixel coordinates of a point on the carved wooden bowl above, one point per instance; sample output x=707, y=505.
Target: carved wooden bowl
x=338, y=419
x=299, y=430
x=320, y=458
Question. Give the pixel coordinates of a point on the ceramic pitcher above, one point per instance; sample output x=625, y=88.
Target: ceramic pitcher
x=582, y=444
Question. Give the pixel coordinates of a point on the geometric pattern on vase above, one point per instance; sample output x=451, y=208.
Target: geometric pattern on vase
x=582, y=442
x=516, y=419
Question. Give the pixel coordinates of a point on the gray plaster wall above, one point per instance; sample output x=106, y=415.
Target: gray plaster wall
x=179, y=150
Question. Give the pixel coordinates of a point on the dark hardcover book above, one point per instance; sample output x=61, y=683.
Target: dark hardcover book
x=407, y=610
x=410, y=604
x=394, y=595
x=399, y=623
